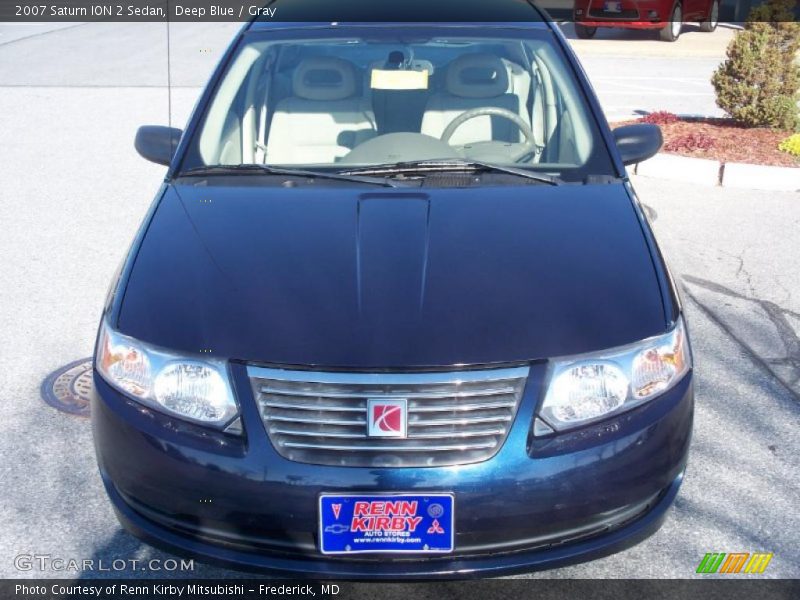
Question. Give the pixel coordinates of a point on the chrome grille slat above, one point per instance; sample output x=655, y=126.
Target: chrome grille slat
x=411, y=409
x=311, y=433
x=409, y=395
x=458, y=434
x=357, y=436
x=453, y=418
x=391, y=448
x=299, y=406
x=290, y=419
x=459, y=421
x=456, y=407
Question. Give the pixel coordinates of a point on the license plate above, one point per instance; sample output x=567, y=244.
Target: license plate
x=386, y=523
x=612, y=7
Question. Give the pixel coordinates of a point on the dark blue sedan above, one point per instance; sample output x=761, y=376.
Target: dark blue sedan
x=396, y=310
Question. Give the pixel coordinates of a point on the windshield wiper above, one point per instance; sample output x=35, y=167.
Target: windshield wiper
x=432, y=166
x=268, y=170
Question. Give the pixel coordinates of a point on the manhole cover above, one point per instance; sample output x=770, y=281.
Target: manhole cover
x=68, y=388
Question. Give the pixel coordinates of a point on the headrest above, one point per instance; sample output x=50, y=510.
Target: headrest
x=324, y=78
x=477, y=76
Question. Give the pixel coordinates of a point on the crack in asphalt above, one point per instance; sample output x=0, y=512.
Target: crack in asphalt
x=43, y=33
x=776, y=314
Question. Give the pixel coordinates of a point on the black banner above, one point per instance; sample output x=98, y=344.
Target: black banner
x=716, y=588
x=338, y=10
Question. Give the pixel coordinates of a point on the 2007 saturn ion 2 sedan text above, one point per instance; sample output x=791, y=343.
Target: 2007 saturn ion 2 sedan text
x=396, y=310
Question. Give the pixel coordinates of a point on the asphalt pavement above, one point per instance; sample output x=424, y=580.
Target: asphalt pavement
x=74, y=192
x=634, y=73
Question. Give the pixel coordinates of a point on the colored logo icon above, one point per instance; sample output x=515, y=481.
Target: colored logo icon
x=736, y=562
x=386, y=418
x=435, y=527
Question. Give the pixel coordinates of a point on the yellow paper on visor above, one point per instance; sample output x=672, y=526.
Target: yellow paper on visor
x=399, y=80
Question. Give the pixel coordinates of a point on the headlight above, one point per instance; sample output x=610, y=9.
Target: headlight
x=590, y=387
x=197, y=390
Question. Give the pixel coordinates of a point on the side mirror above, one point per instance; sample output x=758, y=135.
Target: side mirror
x=637, y=143
x=157, y=143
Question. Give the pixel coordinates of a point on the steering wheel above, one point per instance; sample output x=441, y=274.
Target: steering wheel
x=494, y=111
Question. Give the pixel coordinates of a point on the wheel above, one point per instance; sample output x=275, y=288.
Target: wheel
x=584, y=32
x=672, y=31
x=710, y=24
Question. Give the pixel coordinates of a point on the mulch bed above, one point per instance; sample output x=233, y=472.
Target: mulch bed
x=723, y=140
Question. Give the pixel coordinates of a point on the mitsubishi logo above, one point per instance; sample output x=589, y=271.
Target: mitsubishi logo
x=386, y=418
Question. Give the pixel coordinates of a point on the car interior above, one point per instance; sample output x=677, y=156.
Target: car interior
x=318, y=104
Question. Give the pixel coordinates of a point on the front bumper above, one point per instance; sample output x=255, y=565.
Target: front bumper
x=620, y=24
x=538, y=503
x=645, y=14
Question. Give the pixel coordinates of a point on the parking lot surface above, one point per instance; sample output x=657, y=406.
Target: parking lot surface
x=634, y=73
x=74, y=192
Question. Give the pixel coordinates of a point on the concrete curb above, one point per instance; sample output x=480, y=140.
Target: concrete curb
x=681, y=168
x=711, y=172
x=740, y=175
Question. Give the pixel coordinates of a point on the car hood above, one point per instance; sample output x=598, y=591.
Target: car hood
x=373, y=278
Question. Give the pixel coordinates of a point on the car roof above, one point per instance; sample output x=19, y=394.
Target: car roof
x=290, y=12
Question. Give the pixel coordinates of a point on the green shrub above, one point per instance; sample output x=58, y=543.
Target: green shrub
x=791, y=145
x=758, y=83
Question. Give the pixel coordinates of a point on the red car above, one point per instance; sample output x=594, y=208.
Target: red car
x=667, y=16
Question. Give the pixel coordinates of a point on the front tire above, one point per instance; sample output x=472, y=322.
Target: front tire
x=672, y=31
x=710, y=24
x=584, y=32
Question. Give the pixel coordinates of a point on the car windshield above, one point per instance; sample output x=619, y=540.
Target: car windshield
x=348, y=99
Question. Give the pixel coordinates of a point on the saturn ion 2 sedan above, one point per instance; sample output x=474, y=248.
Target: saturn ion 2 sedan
x=396, y=310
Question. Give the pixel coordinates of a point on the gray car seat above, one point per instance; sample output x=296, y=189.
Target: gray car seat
x=474, y=81
x=324, y=119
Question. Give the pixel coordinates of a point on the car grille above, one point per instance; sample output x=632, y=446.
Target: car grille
x=453, y=418
x=630, y=14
